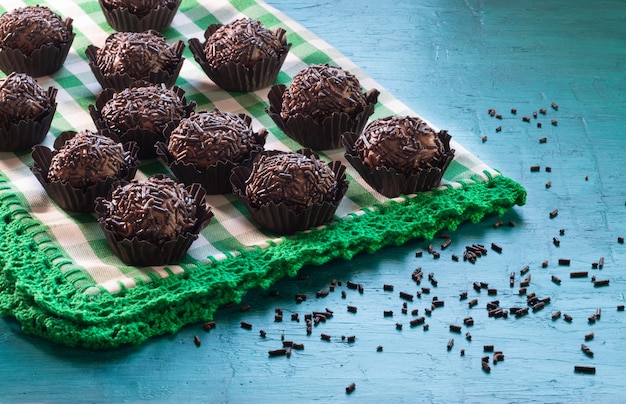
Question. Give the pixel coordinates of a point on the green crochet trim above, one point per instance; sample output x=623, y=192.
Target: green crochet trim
x=35, y=290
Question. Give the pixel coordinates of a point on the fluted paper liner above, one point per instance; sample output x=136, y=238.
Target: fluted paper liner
x=122, y=20
x=121, y=81
x=389, y=182
x=216, y=178
x=309, y=132
x=146, y=139
x=25, y=134
x=237, y=76
x=144, y=253
x=277, y=217
x=64, y=194
x=43, y=61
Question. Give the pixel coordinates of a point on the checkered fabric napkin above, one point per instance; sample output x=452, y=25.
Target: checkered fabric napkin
x=75, y=244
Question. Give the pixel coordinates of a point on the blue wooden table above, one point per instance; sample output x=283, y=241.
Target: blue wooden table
x=450, y=61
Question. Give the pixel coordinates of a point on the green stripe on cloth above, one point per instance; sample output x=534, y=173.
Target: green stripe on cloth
x=73, y=290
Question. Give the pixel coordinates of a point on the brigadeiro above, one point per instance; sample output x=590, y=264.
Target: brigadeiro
x=82, y=167
x=205, y=147
x=321, y=103
x=26, y=112
x=130, y=56
x=34, y=40
x=152, y=221
x=241, y=56
x=286, y=192
x=141, y=113
x=399, y=155
x=139, y=15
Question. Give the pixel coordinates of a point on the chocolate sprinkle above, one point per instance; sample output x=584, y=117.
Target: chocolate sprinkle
x=150, y=107
x=29, y=28
x=21, y=98
x=137, y=54
x=140, y=8
x=206, y=138
x=406, y=144
x=320, y=90
x=87, y=158
x=244, y=41
x=291, y=178
x=156, y=210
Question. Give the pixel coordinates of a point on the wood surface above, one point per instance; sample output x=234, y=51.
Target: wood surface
x=450, y=61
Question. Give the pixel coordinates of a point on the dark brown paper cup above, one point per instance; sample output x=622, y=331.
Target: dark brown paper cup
x=390, y=183
x=236, y=76
x=146, y=139
x=278, y=218
x=25, y=134
x=122, y=20
x=143, y=253
x=119, y=82
x=310, y=133
x=216, y=178
x=65, y=195
x=43, y=61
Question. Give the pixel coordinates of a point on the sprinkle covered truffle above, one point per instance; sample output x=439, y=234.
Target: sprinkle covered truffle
x=149, y=107
x=208, y=137
x=156, y=210
x=244, y=41
x=406, y=144
x=291, y=178
x=87, y=158
x=21, y=98
x=320, y=90
x=29, y=28
x=136, y=54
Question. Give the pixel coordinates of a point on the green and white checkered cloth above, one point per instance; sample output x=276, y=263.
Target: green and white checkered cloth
x=86, y=289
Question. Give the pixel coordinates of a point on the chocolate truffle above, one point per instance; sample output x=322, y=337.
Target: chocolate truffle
x=244, y=41
x=321, y=90
x=241, y=56
x=286, y=192
x=399, y=155
x=293, y=179
x=140, y=8
x=136, y=54
x=156, y=210
x=149, y=107
x=321, y=103
x=29, y=28
x=130, y=56
x=21, y=99
x=407, y=144
x=87, y=158
x=208, y=137
x=34, y=40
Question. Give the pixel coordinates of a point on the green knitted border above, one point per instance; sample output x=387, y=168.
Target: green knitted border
x=37, y=293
